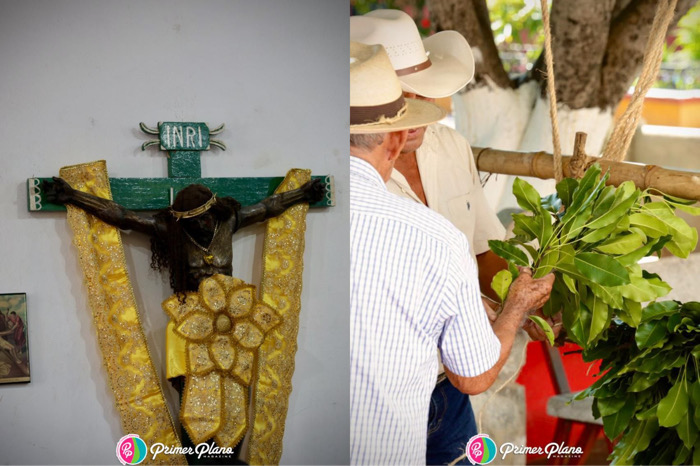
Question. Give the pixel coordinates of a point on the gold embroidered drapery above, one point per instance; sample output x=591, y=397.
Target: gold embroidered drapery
x=132, y=375
x=280, y=288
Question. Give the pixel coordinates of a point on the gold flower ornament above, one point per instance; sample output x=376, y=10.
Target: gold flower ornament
x=223, y=325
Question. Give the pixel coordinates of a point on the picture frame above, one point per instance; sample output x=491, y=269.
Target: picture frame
x=14, y=343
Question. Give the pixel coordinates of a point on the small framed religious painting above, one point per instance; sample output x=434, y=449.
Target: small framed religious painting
x=14, y=346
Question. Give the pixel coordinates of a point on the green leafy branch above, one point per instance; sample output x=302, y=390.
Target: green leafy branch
x=649, y=395
x=592, y=237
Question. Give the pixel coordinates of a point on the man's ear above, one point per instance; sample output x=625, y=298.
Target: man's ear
x=394, y=144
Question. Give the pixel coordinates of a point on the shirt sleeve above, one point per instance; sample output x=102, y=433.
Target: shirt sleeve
x=467, y=344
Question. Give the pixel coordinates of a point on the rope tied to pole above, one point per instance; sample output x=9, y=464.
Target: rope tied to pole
x=621, y=137
x=552, y=93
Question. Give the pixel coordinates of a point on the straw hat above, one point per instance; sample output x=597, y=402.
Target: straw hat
x=435, y=67
x=377, y=104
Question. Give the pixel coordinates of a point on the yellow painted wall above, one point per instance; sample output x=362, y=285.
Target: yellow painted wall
x=667, y=111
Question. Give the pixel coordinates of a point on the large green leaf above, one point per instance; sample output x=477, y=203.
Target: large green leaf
x=615, y=423
x=659, y=309
x=577, y=323
x=637, y=439
x=508, y=252
x=652, y=362
x=604, y=202
x=588, y=189
x=677, y=227
x=686, y=428
x=571, y=271
x=634, y=309
x=547, y=263
x=571, y=284
x=685, y=238
x=586, y=185
x=625, y=199
x=679, y=200
x=634, y=256
x=674, y=404
x=525, y=225
x=537, y=226
x=652, y=226
x=663, y=209
x=576, y=224
x=593, y=236
x=649, y=413
x=641, y=290
x=610, y=295
x=608, y=406
x=622, y=244
x=601, y=269
x=544, y=325
x=600, y=316
x=501, y=282
x=625, y=317
x=623, y=225
x=691, y=308
x=565, y=190
x=642, y=381
x=688, y=209
x=651, y=333
x=528, y=198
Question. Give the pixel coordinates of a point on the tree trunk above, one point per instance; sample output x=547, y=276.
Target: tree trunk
x=598, y=47
x=471, y=19
x=629, y=32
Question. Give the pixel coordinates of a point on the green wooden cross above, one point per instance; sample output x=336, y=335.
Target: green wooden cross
x=183, y=143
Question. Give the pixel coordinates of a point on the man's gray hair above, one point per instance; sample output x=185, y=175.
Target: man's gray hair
x=366, y=142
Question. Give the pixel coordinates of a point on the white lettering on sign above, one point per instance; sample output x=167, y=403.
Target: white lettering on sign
x=187, y=137
x=177, y=134
x=191, y=133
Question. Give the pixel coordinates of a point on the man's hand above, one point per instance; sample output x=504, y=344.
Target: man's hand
x=57, y=191
x=314, y=191
x=529, y=293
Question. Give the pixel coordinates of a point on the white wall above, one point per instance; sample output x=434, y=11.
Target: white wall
x=76, y=78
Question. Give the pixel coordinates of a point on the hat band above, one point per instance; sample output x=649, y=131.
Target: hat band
x=414, y=69
x=196, y=211
x=374, y=114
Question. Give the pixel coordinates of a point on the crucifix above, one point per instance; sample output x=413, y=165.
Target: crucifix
x=183, y=143
x=218, y=325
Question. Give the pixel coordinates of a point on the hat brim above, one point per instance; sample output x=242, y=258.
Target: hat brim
x=452, y=67
x=418, y=113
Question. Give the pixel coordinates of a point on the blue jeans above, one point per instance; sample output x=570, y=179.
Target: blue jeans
x=451, y=424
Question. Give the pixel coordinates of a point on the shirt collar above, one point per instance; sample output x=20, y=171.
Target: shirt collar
x=363, y=171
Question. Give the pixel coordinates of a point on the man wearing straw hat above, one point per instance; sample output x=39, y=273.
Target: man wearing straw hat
x=436, y=168
x=413, y=282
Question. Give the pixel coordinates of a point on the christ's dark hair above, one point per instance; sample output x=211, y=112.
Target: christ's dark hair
x=168, y=248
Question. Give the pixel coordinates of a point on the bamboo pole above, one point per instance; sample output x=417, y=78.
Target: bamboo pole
x=541, y=165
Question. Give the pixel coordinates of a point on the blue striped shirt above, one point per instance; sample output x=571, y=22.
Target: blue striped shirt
x=413, y=287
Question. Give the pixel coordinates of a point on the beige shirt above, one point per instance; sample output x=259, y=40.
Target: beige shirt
x=452, y=186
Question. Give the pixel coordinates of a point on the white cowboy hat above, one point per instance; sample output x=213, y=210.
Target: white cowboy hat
x=377, y=104
x=435, y=67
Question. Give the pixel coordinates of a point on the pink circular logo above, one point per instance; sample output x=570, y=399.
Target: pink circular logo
x=481, y=449
x=131, y=450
